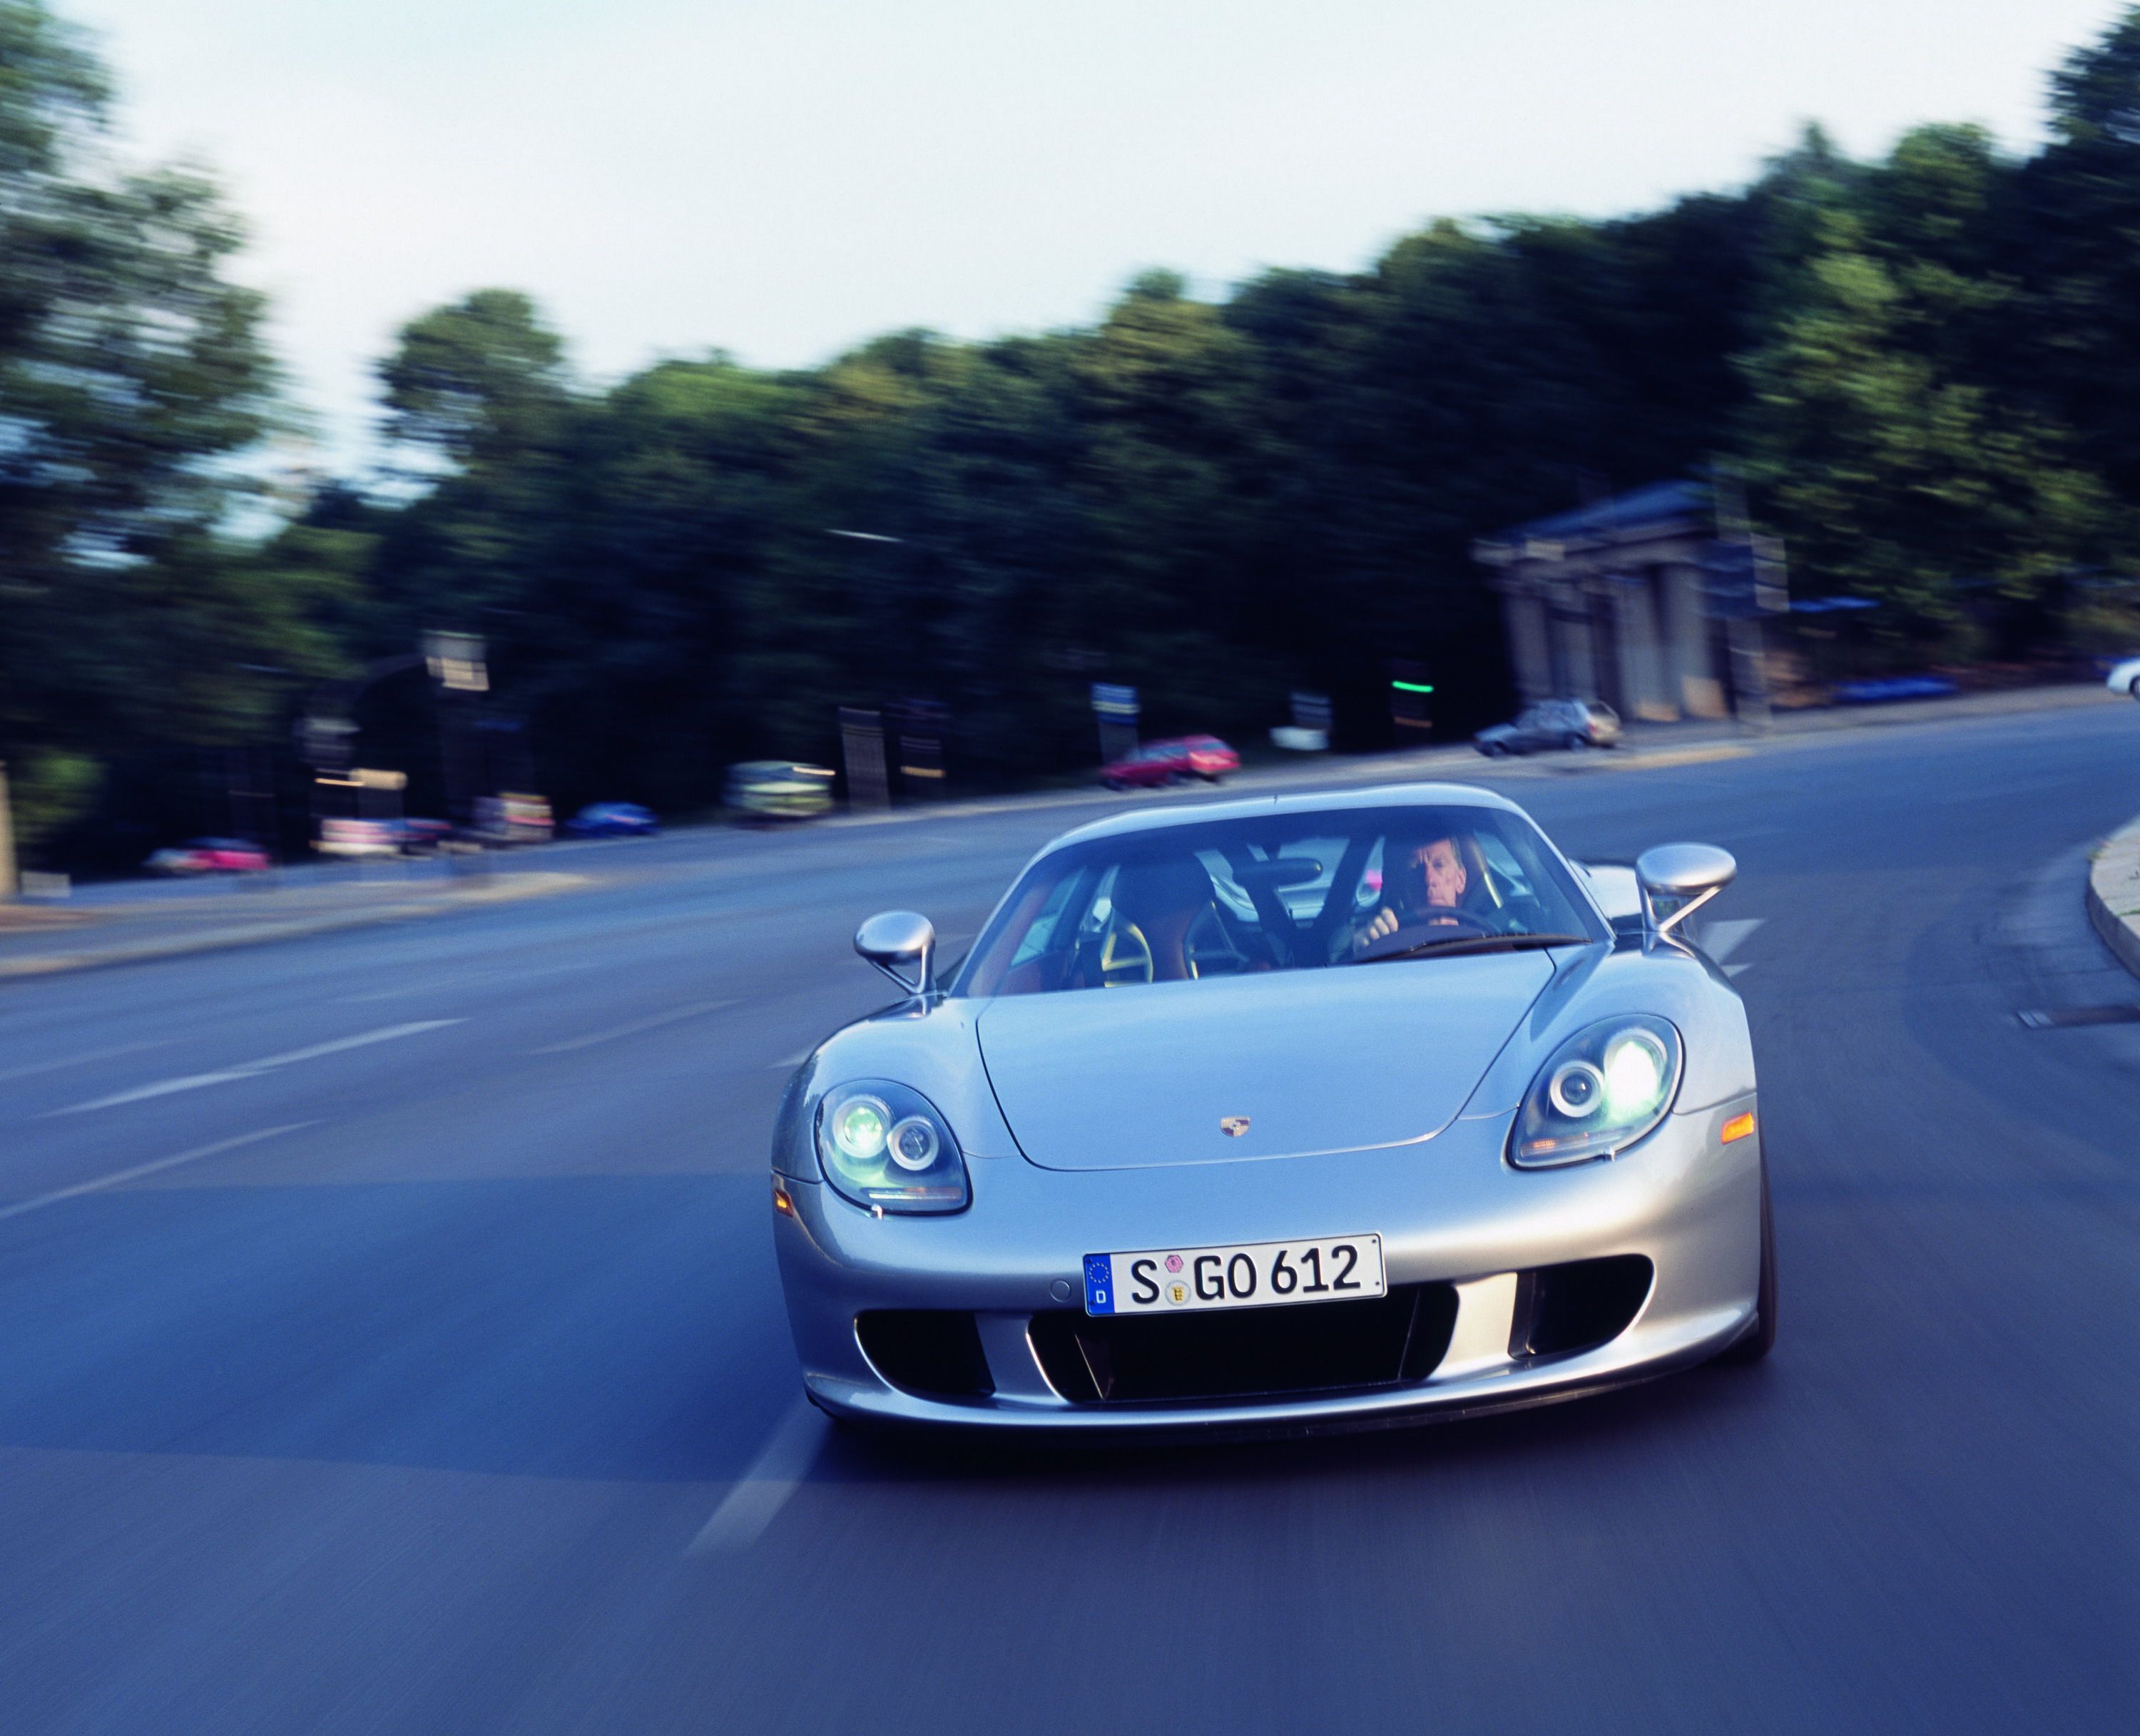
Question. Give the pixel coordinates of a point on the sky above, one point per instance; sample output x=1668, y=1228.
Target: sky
x=783, y=178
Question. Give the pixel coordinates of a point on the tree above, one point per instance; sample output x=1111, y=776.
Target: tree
x=131, y=372
x=483, y=377
x=1894, y=467
x=2073, y=243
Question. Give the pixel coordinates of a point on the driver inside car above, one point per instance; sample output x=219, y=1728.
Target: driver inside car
x=1425, y=884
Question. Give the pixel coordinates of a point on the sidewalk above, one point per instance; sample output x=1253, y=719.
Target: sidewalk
x=38, y=940
x=2113, y=894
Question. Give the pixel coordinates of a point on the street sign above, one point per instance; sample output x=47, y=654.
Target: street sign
x=1117, y=709
x=1409, y=690
x=918, y=725
x=861, y=741
x=324, y=742
x=456, y=661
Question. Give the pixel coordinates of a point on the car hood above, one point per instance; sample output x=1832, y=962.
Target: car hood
x=1319, y=1061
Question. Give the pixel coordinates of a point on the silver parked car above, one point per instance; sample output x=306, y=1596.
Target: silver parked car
x=1553, y=723
x=1316, y=1111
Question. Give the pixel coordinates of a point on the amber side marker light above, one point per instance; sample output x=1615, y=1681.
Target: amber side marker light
x=782, y=1204
x=1737, y=1127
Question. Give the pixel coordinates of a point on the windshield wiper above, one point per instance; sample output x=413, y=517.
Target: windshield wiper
x=1457, y=944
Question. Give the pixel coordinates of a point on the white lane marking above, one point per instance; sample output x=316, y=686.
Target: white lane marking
x=635, y=1027
x=53, y=1066
x=779, y=1469
x=161, y=1088
x=254, y=1069
x=362, y=1040
x=139, y=1171
x=397, y=994
x=1720, y=939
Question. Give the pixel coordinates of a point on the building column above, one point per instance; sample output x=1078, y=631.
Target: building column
x=1578, y=664
x=1687, y=633
x=1524, y=613
x=1650, y=696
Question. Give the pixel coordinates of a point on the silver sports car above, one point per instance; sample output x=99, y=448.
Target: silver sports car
x=1316, y=1111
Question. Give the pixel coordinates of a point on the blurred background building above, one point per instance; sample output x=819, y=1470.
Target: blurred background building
x=1630, y=600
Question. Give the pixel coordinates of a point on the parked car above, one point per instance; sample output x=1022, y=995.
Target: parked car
x=1553, y=723
x=1168, y=761
x=779, y=789
x=419, y=837
x=613, y=820
x=358, y=838
x=209, y=855
x=513, y=816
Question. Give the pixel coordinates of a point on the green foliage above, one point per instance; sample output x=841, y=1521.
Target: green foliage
x=131, y=374
x=1900, y=457
x=1928, y=366
x=1219, y=501
x=481, y=377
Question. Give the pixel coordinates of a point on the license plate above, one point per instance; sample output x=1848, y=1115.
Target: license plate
x=1252, y=1275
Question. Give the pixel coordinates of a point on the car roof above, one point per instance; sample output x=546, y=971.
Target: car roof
x=1196, y=813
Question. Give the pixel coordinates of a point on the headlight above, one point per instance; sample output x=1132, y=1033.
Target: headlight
x=1602, y=1090
x=885, y=1147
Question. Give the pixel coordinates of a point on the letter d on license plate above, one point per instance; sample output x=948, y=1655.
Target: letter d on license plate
x=1252, y=1275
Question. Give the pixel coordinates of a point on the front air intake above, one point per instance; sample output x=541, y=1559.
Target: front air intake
x=1579, y=1305
x=1246, y=1354
x=934, y=1352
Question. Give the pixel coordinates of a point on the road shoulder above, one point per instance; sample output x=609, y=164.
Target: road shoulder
x=123, y=936
x=2113, y=894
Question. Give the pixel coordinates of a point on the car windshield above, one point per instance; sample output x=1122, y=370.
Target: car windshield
x=1291, y=891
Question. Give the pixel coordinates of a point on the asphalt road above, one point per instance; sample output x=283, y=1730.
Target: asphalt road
x=389, y=1339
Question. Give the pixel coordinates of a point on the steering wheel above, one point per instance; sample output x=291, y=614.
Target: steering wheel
x=1125, y=956
x=1446, y=925
x=1211, y=948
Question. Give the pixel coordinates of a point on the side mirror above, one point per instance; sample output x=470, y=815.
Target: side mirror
x=900, y=940
x=1688, y=875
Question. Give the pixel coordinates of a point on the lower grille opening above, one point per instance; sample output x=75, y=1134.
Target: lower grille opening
x=936, y=1352
x=1579, y=1305
x=1246, y=1353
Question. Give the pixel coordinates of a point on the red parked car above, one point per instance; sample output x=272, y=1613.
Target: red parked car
x=1163, y=762
x=209, y=855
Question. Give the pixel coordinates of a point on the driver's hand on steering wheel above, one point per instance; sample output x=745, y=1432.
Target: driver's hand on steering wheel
x=1386, y=921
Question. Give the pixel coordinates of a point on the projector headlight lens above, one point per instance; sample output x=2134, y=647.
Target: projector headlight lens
x=1577, y=1090
x=914, y=1143
x=1598, y=1093
x=858, y=1129
x=884, y=1147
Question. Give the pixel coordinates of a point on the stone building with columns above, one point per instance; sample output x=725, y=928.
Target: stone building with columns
x=1611, y=602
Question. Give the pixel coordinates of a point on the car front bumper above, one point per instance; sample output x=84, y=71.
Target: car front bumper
x=1448, y=1211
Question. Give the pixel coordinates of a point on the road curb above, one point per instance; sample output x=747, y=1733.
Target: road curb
x=504, y=888
x=2113, y=894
